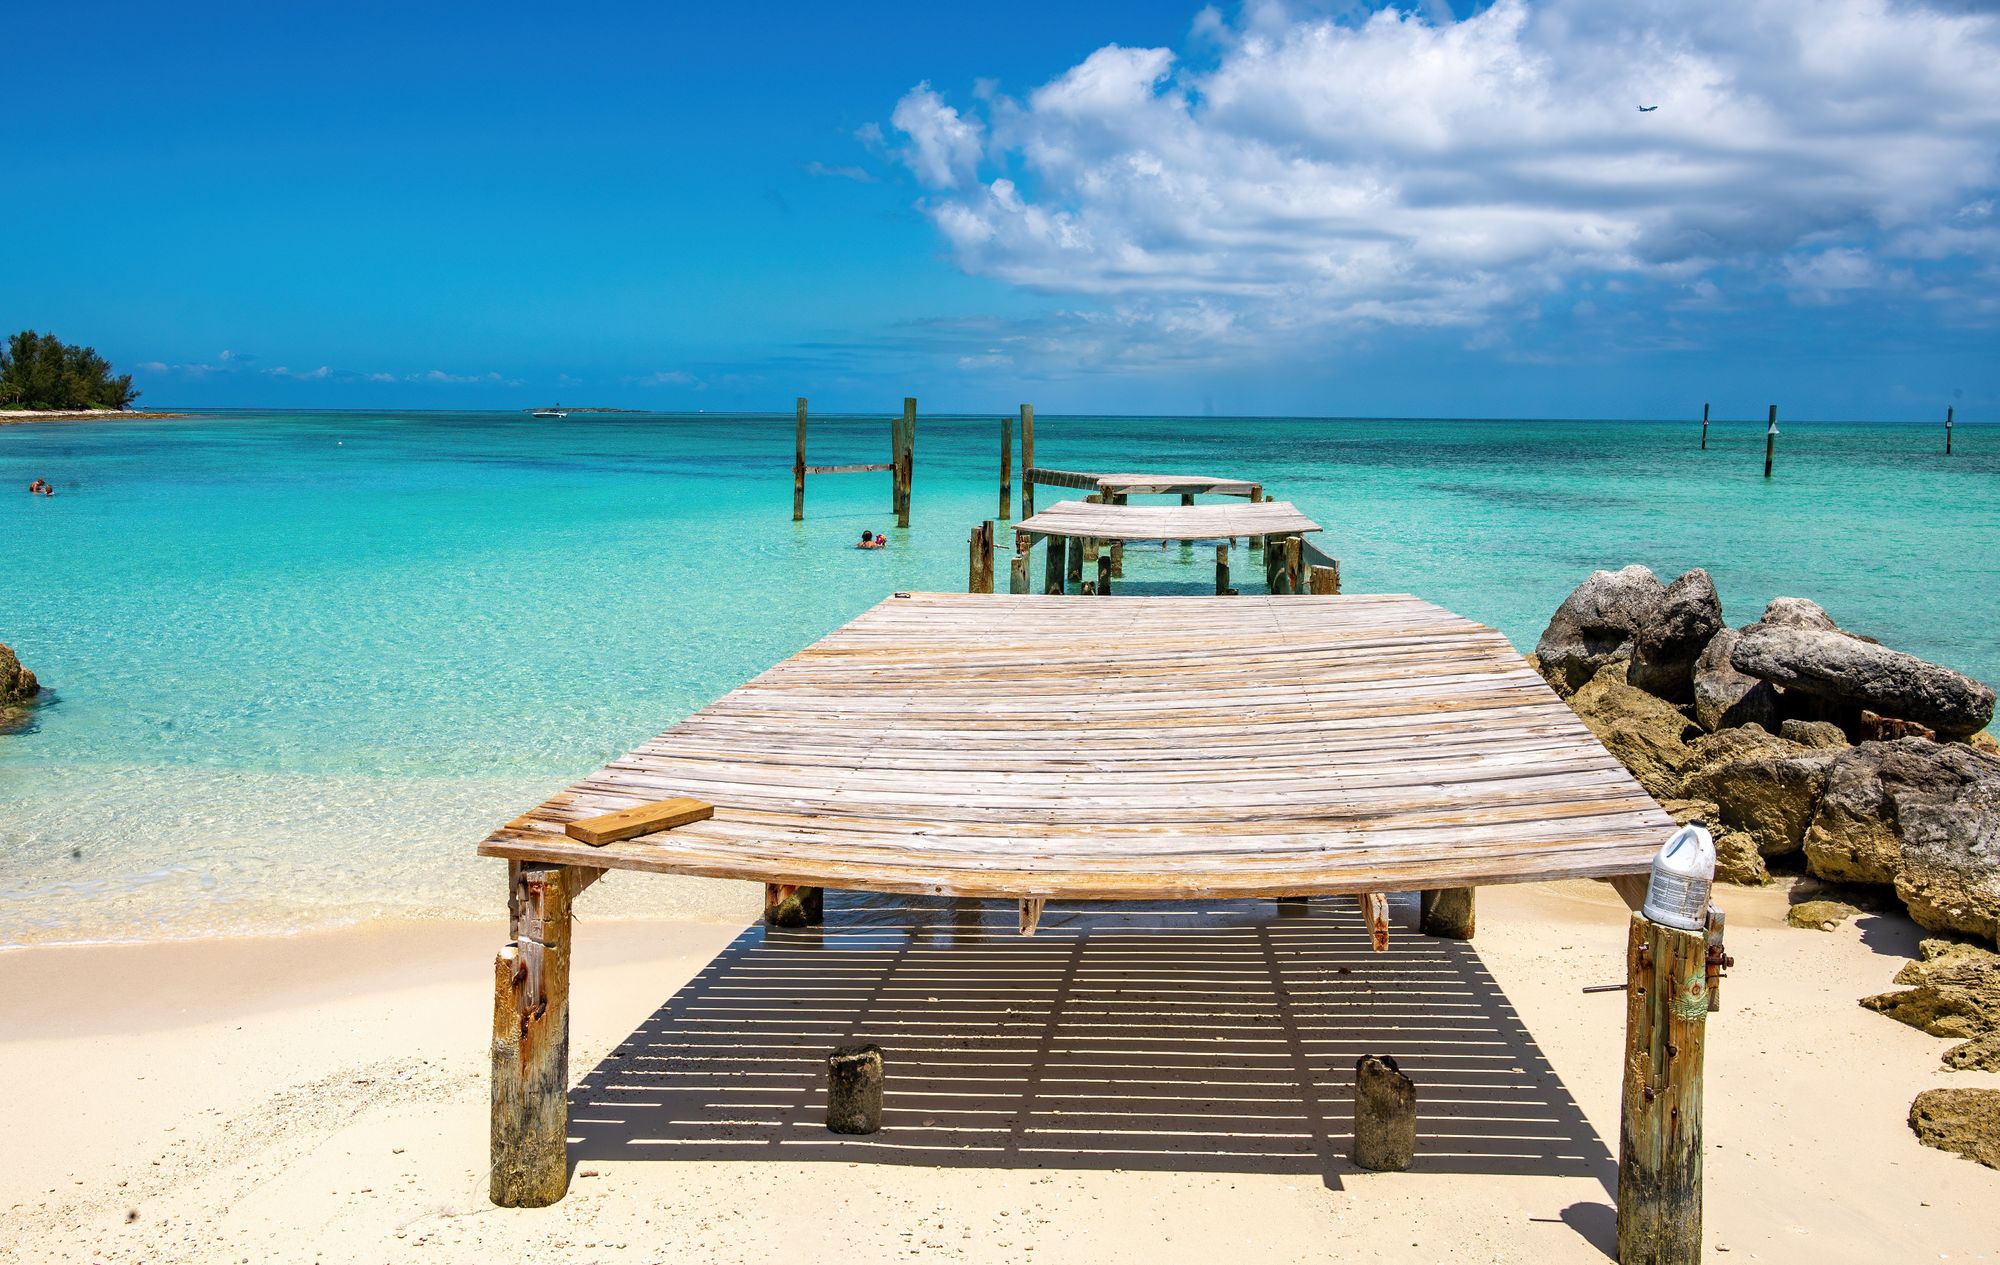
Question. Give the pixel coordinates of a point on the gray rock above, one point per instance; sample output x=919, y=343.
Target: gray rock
x=1597, y=624
x=1813, y=733
x=1854, y=673
x=1797, y=612
x=1724, y=697
x=1665, y=651
x=1853, y=836
x=17, y=684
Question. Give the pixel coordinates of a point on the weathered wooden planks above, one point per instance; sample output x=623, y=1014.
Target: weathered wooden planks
x=1025, y=746
x=1168, y=522
x=640, y=819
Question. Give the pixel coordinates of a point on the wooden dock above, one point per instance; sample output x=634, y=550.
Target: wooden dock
x=1085, y=520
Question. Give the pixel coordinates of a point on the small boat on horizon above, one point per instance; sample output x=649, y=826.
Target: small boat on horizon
x=554, y=410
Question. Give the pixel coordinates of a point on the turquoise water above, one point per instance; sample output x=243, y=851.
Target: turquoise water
x=302, y=662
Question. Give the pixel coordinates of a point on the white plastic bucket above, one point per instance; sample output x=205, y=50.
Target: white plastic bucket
x=1683, y=873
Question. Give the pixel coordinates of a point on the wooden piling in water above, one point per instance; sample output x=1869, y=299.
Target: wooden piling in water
x=854, y=1089
x=1017, y=567
x=1949, y=410
x=1385, y=1115
x=1104, y=574
x=1027, y=460
x=1323, y=579
x=1771, y=441
x=1006, y=468
x=1294, y=565
x=530, y=1101
x=1256, y=542
x=1118, y=546
x=979, y=573
x=799, y=467
x=1222, y=571
x=1659, y=1126
x=1052, y=567
x=905, y=460
x=1704, y=426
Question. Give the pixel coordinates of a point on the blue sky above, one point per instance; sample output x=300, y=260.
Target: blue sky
x=1303, y=208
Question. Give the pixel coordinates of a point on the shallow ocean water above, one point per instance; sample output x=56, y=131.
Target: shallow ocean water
x=301, y=662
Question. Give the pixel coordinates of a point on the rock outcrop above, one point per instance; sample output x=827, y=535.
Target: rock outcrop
x=1797, y=612
x=1947, y=806
x=1597, y=624
x=1850, y=672
x=1765, y=786
x=1820, y=915
x=1813, y=733
x=1647, y=734
x=1724, y=697
x=1966, y=1121
x=17, y=684
x=1668, y=644
x=1954, y=991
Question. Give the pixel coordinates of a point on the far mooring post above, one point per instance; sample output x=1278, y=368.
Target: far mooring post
x=799, y=467
x=1771, y=441
x=1027, y=461
x=1006, y=468
x=1659, y=1124
x=1949, y=409
x=1704, y=427
x=902, y=459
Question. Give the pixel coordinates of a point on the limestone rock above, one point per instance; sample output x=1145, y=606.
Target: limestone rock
x=1664, y=653
x=1948, y=814
x=1647, y=734
x=1724, y=697
x=1984, y=743
x=1846, y=670
x=1952, y=991
x=1738, y=861
x=1965, y=1121
x=1820, y=915
x=1683, y=811
x=1597, y=624
x=1981, y=1054
x=1797, y=612
x=1813, y=733
x=1764, y=785
x=17, y=684
x=1853, y=836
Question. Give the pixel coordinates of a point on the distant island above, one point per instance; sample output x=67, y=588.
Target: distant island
x=42, y=373
x=566, y=408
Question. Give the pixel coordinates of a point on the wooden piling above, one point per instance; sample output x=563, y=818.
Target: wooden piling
x=905, y=460
x=1771, y=441
x=1949, y=410
x=1104, y=574
x=1272, y=560
x=530, y=1107
x=1704, y=426
x=1324, y=580
x=1073, y=566
x=1017, y=569
x=1027, y=460
x=1006, y=468
x=799, y=467
x=979, y=571
x=1446, y=912
x=1659, y=1127
x=1052, y=566
x=1222, y=570
x=1385, y=1115
x=1293, y=558
x=854, y=1089
x=1256, y=542
x=1118, y=546
x=789, y=905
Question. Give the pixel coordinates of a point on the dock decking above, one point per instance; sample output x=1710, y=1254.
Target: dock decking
x=1134, y=484
x=1067, y=748
x=1085, y=520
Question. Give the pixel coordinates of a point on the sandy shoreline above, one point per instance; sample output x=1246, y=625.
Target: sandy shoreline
x=9, y=417
x=323, y=1096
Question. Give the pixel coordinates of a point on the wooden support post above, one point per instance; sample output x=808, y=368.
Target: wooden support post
x=1222, y=570
x=1295, y=554
x=906, y=460
x=799, y=467
x=1031, y=914
x=1659, y=1124
x=1446, y=912
x=789, y=905
x=1324, y=580
x=1104, y=574
x=1017, y=569
x=1771, y=441
x=979, y=576
x=1375, y=911
x=1073, y=566
x=530, y=1137
x=1949, y=410
x=1027, y=460
x=1271, y=561
x=1256, y=542
x=854, y=1089
x=1118, y=546
x=1704, y=426
x=1006, y=468
x=1052, y=565
x=1385, y=1115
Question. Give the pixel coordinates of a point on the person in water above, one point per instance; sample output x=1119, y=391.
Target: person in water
x=869, y=540
x=36, y=487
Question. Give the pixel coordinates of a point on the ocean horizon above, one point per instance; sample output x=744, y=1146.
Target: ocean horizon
x=300, y=662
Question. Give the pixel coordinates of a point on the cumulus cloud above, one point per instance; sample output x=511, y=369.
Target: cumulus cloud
x=1391, y=168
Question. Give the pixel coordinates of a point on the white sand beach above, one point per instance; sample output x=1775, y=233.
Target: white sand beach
x=324, y=1097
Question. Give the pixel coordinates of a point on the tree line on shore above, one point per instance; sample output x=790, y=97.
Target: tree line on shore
x=40, y=371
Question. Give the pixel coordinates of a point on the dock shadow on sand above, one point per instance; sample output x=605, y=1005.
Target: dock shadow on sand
x=1216, y=1038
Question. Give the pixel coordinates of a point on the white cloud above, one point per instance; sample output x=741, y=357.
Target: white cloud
x=860, y=175
x=281, y=371
x=944, y=148
x=1398, y=170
